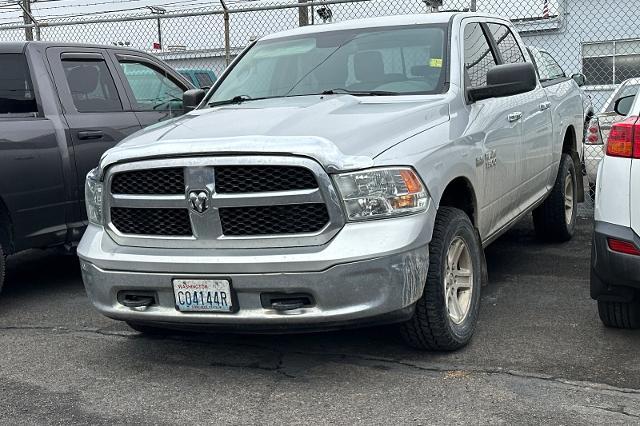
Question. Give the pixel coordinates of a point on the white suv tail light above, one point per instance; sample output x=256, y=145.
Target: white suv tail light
x=624, y=139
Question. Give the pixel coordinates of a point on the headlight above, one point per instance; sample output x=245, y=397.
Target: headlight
x=93, y=197
x=380, y=193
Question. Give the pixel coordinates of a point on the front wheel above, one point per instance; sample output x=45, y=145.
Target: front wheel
x=446, y=315
x=555, y=219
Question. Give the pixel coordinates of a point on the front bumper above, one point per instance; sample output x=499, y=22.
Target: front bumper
x=369, y=270
x=614, y=276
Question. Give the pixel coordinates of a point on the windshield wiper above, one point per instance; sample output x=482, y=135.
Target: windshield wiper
x=235, y=100
x=339, y=91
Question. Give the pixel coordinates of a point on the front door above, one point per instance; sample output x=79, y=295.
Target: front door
x=155, y=91
x=497, y=122
x=95, y=106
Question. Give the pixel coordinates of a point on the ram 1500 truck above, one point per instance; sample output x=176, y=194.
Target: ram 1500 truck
x=337, y=175
x=61, y=107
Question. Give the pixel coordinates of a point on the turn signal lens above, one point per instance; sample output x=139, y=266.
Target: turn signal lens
x=380, y=193
x=624, y=139
x=623, y=247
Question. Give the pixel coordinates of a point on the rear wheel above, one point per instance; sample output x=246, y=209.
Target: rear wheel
x=555, y=219
x=619, y=314
x=446, y=315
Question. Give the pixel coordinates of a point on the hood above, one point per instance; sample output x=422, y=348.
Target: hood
x=340, y=131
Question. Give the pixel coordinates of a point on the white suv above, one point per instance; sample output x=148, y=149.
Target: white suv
x=615, y=261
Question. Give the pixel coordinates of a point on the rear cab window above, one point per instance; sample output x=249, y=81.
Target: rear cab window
x=17, y=96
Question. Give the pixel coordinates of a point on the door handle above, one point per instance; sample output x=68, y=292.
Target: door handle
x=545, y=106
x=514, y=116
x=90, y=134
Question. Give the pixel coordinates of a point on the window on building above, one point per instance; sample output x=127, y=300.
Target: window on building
x=91, y=85
x=478, y=56
x=16, y=93
x=507, y=44
x=611, y=62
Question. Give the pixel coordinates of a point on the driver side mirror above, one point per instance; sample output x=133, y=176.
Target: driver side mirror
x=192, y=98
x=506, y=80
x=624, y=104
x=580, y=79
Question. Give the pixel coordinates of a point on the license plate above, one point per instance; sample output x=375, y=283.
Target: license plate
x=203, y=295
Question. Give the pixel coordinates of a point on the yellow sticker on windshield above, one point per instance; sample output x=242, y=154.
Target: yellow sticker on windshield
x=435, y=62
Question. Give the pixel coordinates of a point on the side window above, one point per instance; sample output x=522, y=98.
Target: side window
x=152, y=89
x=507, y=44
x=541, y=65
x=555, y=70
x=16, y=93
x=478, y=56
x=91, y=85
x=204, y=79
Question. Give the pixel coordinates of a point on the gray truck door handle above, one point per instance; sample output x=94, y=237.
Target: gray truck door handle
x=514, y=116
x=545, y=105
x=90, y=134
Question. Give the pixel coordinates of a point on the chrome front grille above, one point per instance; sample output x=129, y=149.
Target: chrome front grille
x=227, y=202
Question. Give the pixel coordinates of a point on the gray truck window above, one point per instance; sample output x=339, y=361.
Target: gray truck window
x=91, y=85
x=16, y=93
x=204, y=79
x=152, y=90
x=399, y=60
x=478, y=56
x=541, y=65
x=507, y=44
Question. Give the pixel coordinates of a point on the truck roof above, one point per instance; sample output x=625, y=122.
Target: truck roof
x=384, y=21
x=19, y=46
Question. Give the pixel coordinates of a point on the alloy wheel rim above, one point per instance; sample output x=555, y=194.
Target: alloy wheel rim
x=568, y=198
x=458, y=281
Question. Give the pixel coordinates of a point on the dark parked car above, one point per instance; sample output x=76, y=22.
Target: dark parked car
x=61, y=107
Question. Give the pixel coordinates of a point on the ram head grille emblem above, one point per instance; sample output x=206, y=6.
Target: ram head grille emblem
x=199, y=201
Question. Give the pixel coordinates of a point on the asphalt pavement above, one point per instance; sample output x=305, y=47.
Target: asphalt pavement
x=540, y=355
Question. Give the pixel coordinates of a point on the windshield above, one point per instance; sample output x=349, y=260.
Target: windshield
x=393, y=60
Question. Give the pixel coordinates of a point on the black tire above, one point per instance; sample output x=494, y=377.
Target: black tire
x=147, y=329
x=550, y=219
x=3, y=265
x=619, y=314
x=431, y=326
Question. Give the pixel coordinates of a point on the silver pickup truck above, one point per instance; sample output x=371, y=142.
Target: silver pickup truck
x=337, y=175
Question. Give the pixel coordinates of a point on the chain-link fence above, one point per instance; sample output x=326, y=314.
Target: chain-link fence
x=600, y=39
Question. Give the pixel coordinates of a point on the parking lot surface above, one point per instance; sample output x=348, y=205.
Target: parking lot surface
x=540, y=354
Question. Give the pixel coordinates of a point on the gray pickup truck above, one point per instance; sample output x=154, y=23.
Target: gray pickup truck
x=337, y=175
x=61, y=107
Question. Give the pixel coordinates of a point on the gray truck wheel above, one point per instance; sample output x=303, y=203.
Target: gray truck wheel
x=619, y=315
x=555, y=219
x=446, y=315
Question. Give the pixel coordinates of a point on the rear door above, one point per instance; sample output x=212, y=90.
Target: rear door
x=95, y=105
x=154, y=90
x=32, y=180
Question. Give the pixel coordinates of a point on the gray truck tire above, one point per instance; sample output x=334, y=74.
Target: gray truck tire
x=555, y=219
x=620, y=314
x=439, y=323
